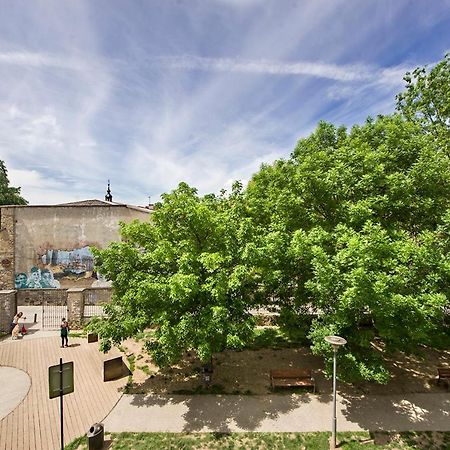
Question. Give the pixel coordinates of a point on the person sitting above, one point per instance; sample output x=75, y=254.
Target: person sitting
x=15, y=327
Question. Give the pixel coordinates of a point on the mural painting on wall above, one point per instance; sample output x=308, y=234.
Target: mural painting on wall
x=73, y=264
x=37, y=278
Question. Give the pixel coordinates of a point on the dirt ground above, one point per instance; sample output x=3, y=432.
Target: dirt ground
x=247, y=372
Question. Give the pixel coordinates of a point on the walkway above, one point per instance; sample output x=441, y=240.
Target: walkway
x=287, y=413
x=34, y=424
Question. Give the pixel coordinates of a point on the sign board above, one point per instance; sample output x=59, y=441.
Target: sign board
x=54, y=379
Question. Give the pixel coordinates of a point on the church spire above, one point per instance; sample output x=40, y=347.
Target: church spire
x=108, y=196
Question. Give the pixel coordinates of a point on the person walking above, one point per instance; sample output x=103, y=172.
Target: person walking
x=64, y=333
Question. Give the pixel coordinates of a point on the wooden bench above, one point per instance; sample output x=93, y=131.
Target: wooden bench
x=444, y=375
x=292, y=378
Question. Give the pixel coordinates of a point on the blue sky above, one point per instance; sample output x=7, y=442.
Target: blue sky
x=151, y=93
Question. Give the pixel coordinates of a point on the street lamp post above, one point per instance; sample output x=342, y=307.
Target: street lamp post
x=336, y=342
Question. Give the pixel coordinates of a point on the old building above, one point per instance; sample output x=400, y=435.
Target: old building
x=49, y=246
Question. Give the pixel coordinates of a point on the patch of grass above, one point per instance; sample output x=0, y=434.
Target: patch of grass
x=273, y=337
x=75, y=444
x=145, y=369
x=79, y=334
x=285, y=441
x=131, y=362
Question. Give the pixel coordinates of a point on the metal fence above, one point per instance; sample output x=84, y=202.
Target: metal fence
x=45, y=307
x=94, y=300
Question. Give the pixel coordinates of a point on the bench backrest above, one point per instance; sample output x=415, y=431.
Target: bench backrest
x=444, y=371
x=291, y=373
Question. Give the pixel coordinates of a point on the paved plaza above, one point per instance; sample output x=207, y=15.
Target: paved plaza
x=32, y=419
x=29, y=420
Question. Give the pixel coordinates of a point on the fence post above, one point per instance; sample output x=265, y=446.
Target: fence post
x=75, y=306
x=8, y=309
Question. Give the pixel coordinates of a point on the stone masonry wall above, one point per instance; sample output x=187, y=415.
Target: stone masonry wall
x=75, y=307
x=74, y=298
x=8, y=309
x=35, y=297
x=7, y=242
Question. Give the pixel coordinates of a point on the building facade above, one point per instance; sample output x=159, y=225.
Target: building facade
x=49, y=246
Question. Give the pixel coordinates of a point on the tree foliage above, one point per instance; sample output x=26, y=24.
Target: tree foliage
x=185, y=273
x=427, y=98
x=9, y=195
x=362, y=220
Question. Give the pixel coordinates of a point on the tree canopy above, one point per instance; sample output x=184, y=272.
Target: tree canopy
x=427, y=98
x=362, y=220
x=9, y=195
x=185, y=273
x=352, y=232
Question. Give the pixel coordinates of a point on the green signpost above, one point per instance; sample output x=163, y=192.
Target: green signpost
x=60, y=382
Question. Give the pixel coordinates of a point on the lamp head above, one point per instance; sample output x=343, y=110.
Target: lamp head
x=335, y=341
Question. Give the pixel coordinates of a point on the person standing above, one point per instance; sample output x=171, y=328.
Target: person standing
x=64, y=333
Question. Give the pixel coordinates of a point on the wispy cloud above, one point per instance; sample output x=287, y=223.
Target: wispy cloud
x=315, y=69
x=344, y=73
x=199, y=91
x=36, y=59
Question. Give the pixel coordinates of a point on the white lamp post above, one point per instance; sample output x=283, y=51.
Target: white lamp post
x=336, y=342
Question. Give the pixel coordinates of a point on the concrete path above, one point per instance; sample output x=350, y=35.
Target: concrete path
x=14, y=386
x=289, y=413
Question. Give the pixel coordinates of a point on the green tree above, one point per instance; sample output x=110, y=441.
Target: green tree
x=9, y=195
x=357, y=234
x=427, y=98
x=185, y=273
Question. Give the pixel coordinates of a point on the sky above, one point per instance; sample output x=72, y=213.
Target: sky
x=154, y=92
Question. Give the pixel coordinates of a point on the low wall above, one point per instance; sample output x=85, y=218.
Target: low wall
x=97, y=296
x=75, y=299
x=37, y=297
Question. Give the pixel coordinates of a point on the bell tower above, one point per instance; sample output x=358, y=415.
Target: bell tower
x=108, y=196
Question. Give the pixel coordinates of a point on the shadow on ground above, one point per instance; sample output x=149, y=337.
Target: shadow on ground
x=217, y=412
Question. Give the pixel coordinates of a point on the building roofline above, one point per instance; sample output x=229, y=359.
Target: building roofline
x=101, y=204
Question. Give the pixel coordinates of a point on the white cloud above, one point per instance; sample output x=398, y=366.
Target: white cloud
x=314, y=69
x=31, y=59
x=221, y=86
x=37, y=189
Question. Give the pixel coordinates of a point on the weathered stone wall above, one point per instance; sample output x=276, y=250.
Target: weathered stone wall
x=36, y=297
x=43, y=232
x=8, y=309
x=40, y=228
x=74, y=298
x=7, y=240
x=97, y=296
x=75, y=307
